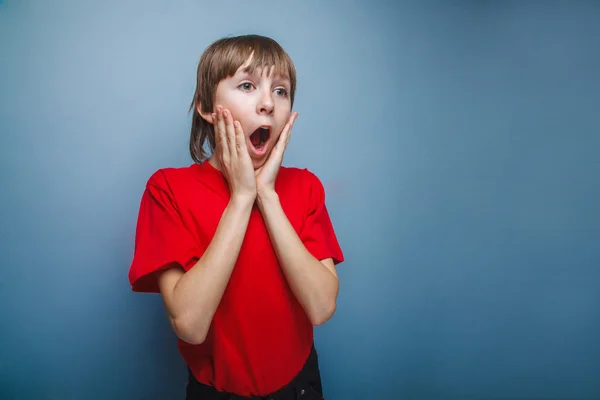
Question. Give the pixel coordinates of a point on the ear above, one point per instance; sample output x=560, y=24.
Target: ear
x=205, y=116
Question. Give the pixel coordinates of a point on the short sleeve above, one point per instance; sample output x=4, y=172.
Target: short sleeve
x=318, y=234
x=161, y=237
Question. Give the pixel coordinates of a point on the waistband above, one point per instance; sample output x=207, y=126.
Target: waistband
x=307, y=380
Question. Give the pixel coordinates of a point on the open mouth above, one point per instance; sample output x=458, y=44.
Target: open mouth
x=259, y=137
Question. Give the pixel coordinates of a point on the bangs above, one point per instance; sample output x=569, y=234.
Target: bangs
x=265, y=53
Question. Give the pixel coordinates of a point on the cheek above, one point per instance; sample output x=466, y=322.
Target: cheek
x=282, y=115
x=240, y=111
x=285, y=107
x=232, y=101
x=275, y=137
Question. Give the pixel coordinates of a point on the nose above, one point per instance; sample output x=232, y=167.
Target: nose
x=265, y=105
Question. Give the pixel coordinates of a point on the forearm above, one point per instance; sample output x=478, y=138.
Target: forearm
x=315, y=286
x=198, y=292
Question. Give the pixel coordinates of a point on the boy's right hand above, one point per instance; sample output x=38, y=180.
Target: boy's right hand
x=233, y=156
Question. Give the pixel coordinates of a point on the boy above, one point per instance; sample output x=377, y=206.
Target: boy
x=242, y=249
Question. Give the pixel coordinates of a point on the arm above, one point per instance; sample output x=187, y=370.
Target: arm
x=191, y=298
x=313, y=282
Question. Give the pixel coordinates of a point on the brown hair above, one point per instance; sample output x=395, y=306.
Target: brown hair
x=221, y=60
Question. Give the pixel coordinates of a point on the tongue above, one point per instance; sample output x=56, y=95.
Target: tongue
x=255, y=138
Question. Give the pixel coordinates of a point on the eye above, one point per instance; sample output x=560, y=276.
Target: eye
x=246, y=86
x=281, y=92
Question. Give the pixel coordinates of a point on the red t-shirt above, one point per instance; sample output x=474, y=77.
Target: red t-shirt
x=260, y=336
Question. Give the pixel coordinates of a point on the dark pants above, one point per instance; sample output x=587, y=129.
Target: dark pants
x=305, y=386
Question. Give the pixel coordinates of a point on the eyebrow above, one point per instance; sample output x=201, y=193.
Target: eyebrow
x=275, y=78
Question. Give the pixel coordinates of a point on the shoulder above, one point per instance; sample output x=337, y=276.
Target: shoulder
x=300, y=176
x=170, y=177
x=303, y=182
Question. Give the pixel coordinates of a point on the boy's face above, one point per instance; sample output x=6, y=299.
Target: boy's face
x=258, y=100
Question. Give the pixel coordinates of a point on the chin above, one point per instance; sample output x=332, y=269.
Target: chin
x=258, y=163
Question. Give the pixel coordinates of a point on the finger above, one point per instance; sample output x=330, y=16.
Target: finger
x=288, y=128
x=222, y=133
x=292, y=120
x=230, y=133
x=220, y=142
x=282, y=141
x=240, y=138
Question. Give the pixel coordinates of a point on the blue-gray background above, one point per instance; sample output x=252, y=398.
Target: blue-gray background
x=458, y=143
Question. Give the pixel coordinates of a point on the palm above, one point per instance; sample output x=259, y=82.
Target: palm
x=267, y=174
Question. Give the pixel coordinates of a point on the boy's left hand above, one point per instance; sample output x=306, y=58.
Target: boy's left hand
x=267, y=174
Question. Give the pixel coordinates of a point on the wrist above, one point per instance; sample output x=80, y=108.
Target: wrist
x=266, y=196
x=241, y=201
